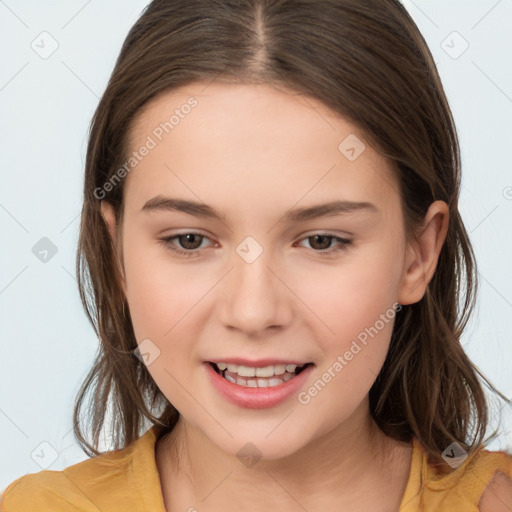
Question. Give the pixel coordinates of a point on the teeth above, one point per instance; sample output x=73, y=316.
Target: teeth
x=267, y=371
x=250, y=371
x=257, y=383
x=228, y=377
x=279, y=369
x=246, y=371
x=268, y=376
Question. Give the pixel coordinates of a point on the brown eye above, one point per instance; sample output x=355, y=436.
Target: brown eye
x=190, y=240
x=185, y=244
x=321, y=242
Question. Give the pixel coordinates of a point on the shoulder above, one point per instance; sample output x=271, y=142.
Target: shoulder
x=498, y=495
x=490, y=477
x=85, y=486
x=37, y=491
x=483, y=482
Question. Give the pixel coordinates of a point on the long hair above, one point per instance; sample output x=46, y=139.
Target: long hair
x=368, y=62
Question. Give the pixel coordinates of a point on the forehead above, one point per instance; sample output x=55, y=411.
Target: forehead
x=261, y=110
x=250, y=140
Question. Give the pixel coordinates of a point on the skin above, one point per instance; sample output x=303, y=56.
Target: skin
x=253, y=152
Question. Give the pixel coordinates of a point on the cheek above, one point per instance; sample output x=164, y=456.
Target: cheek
x=358, y=308
x=354, y=308
x=351, y=296
x=163, y=301
x=159, y=294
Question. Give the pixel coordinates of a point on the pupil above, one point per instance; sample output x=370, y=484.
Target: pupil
x=325, y=238
x=187, y=244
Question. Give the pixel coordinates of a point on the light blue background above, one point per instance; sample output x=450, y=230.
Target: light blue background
x=45, y=109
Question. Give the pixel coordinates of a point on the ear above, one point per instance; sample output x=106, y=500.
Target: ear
x=107, y=211
x=423, y=254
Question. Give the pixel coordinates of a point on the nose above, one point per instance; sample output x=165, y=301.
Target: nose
x=255, y=296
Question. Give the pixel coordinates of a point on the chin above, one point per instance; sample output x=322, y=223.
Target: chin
x=255, y=446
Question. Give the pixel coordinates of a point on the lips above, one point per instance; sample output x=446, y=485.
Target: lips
x=257, y=363
x=257, y=392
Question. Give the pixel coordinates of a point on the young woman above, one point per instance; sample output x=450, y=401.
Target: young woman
x=272, y=255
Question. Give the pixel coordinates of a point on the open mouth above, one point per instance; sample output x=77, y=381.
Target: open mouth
x=268, y=376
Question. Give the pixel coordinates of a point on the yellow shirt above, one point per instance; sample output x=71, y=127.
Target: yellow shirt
x=127, y=480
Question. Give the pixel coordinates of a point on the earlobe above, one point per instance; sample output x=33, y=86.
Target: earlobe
x=423, y=254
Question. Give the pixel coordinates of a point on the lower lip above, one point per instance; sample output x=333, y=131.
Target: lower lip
x=257, y=398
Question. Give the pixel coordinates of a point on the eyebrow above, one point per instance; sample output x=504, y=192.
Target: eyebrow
x=161, y=203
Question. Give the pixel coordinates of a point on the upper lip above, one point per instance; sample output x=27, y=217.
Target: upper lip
x=257, y=363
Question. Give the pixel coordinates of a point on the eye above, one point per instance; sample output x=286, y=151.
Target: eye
x=190, y=241
x=323, y=241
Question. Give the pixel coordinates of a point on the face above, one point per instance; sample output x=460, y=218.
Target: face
x=268, y=278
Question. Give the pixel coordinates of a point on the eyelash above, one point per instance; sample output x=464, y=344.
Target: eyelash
x=344, y=243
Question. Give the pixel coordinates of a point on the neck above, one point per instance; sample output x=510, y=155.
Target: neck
x=353, y=465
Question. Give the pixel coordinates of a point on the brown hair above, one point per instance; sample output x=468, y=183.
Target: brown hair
x=368, y=62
